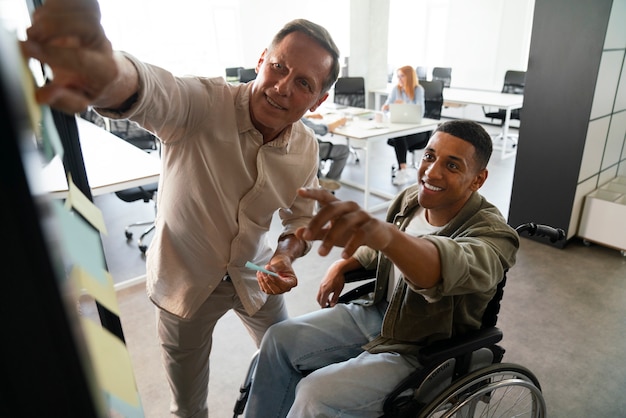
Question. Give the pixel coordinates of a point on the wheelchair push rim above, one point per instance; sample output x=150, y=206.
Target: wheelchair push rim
x=500, y=390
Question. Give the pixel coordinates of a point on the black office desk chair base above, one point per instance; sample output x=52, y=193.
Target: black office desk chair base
x=140, y=242
x=146, y=193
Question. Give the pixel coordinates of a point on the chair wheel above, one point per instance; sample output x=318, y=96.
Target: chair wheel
x=143, y=248
x=128, y=234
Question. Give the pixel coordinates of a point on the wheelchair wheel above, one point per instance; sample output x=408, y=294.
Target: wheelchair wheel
x=499, y=390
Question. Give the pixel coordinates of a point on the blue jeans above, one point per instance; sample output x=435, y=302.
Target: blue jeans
x=342, y=380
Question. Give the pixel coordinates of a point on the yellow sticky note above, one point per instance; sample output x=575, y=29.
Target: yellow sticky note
x=77, y=200
x=103, y=293
x=111, y=362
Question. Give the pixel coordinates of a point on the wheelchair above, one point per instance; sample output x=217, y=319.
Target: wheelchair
x=462, y=376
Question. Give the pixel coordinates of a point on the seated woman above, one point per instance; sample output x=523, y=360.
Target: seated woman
x=337, y=153
x=408, y=90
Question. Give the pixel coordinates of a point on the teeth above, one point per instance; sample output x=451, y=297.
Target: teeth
x=273, y=103
x=431, y=187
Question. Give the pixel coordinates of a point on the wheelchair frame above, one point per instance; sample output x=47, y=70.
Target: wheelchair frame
x=462, y=376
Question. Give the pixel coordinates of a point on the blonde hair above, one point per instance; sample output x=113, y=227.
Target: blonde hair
x=410, y=81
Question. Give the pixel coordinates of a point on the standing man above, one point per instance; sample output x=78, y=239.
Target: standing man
x=232, y=156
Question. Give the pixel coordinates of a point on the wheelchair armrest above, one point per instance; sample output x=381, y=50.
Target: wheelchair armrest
x=355, y=276
x=357, y=292
x=459, y=345
x=359, y=274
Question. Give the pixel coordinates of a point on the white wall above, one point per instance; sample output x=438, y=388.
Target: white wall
x=205, y=36
x=261, y=20
x=480, y=39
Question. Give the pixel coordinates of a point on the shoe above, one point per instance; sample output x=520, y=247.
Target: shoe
x=329, y=184
x=402, y=177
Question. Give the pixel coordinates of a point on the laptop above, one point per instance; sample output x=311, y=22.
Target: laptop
x=405, y=113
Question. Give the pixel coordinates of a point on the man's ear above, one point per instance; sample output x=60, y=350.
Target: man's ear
x=319, y=102
x=261, y=61
x=479, y=179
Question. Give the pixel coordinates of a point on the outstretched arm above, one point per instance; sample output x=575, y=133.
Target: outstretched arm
x=67, y=36
x=347, y=225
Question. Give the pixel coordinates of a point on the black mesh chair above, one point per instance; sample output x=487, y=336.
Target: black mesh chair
x=139, y=137
x=444, y=74
x=147, y=193
x=246, y=74
x=350, y=91
x=514, y=83
x=232, y=74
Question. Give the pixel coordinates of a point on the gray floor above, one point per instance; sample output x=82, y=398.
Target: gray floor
x=563, y=316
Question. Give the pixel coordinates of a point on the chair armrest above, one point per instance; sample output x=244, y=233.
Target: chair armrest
x=359, y=274
x=456, y=346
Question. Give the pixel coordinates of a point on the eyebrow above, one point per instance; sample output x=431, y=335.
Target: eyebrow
x=451, y=157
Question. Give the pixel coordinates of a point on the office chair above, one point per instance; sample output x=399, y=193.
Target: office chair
x=232, y=74
x=444, y=74
x=421, y=73
x=514, y=83
x=139, y=137
x=460, y=376
x=146, y=193
x=350, y=91
x=246, y=74
x=433, y=102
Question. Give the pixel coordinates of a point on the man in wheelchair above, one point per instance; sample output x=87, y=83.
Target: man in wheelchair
x=438, y=258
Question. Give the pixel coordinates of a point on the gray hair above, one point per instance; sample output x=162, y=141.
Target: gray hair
x=321, y=36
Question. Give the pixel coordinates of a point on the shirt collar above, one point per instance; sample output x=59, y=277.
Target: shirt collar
x=244, y=122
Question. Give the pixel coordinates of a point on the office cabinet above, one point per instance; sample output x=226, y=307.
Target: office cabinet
x=603, y=219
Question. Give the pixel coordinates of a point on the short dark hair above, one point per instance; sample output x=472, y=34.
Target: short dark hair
x=321, y=36
x=473, y=133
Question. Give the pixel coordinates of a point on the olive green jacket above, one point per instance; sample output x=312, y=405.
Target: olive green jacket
x=476, y=248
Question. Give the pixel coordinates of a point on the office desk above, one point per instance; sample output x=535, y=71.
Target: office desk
x=505, y=101
x=462, y=97
x=111, y=163
x=367, y=131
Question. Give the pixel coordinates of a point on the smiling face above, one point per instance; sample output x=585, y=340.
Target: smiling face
x=289, y=82
x=447, y=176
